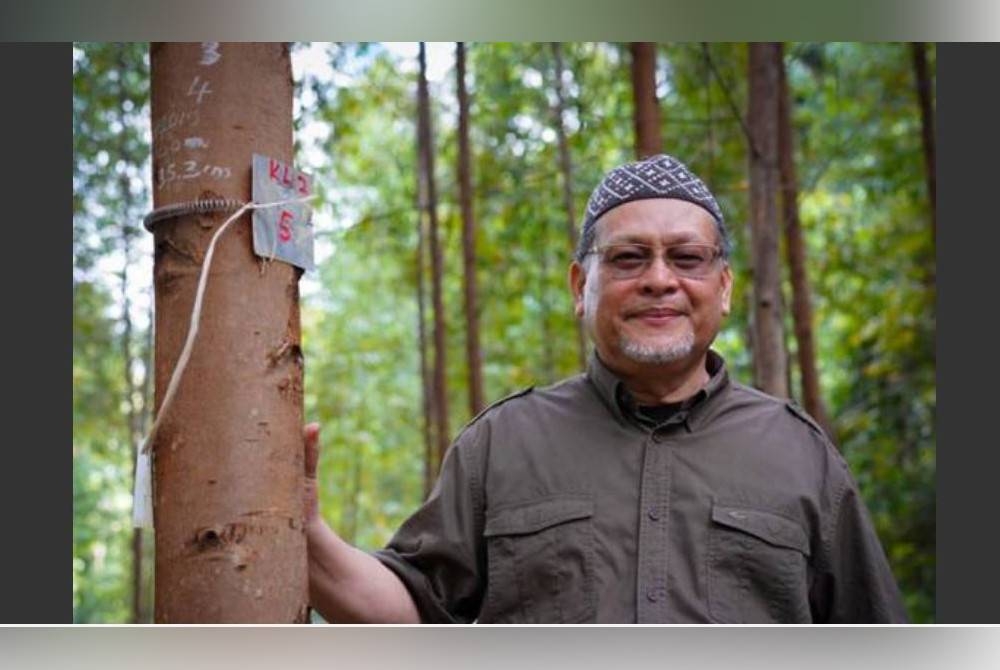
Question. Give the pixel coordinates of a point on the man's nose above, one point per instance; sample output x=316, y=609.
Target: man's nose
x=659, y=277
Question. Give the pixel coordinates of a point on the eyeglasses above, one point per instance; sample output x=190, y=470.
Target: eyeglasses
x=628, y=261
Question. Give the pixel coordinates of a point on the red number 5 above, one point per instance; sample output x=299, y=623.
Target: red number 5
x=285, y=225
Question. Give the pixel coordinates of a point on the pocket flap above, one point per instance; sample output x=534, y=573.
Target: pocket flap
x=535, y=516
x=771, y=528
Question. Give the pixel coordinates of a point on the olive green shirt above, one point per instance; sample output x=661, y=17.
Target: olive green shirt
x=566, y=504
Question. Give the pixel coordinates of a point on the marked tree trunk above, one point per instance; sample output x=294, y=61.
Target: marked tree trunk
x=770, y=357
x=230, y=545
x=802, y=314
x=566, y=172
x=473, y=353
x=648, y=140
x=440, y=402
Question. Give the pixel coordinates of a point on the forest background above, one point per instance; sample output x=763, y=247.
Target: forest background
x=545, y=121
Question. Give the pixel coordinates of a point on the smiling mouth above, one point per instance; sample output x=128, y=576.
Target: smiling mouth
x=656, y=314
x=657, y=318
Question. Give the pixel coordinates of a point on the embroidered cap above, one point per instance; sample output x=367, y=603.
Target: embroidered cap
x=659, y=176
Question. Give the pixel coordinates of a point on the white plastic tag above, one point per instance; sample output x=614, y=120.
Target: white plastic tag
x=283, y=232
x=142, y=494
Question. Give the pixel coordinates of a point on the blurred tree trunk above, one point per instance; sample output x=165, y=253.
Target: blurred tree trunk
x=230, y=545
x=795, y=249
x=440, y=396
x=133, y=404
x=473, y=354
x=710, y=138
x=146, y=589
x=426, y=383
x=648, y=140
x=770, y=357
x=566, y=172
x=925, y=94
x=421, y=271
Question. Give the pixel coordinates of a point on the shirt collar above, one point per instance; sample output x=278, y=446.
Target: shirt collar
x=623, y=405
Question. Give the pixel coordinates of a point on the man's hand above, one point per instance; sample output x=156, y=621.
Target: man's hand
x=346, y=585
x=310, y=492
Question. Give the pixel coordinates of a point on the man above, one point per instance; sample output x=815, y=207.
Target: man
x=652, y=489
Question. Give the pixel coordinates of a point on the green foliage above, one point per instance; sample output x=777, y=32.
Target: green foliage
x=864, y=210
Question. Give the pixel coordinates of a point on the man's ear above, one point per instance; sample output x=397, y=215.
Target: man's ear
x=577, y=280
x=727, y=289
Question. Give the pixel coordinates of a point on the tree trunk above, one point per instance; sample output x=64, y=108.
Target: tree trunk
x=230, y=545
x=566, y=171
x=802, y=316
x=709, y=116
x=440, y=403
x=133, y=409
x=473, y=355
x=925, y=93
x=769, y=344
x=647, y=110
x=425, y=373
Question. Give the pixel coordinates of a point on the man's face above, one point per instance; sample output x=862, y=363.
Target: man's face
x=656, y=317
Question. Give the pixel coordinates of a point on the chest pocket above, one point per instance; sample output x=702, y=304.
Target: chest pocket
x=541, y=562
x=757, y=567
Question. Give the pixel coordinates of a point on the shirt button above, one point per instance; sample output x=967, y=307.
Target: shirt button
x=653, y=513
x=655, y=594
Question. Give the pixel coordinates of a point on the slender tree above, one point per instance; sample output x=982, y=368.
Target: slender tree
x=566, y=173
x=133, y=402
x=426, y=383
x=440, y=402
x=770, y=357
x=473, y=354
x=795, y=249
x=925, y=94
x=230, y=546
x=648, y=140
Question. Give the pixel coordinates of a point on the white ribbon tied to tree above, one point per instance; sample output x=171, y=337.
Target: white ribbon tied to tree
x=142, y=494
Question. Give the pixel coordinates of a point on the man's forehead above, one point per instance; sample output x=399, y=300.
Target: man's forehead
x=667, y=218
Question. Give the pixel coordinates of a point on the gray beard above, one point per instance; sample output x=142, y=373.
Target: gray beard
x=658, y=355
x=634, y=351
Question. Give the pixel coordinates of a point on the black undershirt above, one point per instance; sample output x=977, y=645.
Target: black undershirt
x=658, y=414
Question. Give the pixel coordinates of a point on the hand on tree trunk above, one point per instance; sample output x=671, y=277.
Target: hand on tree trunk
x=310, y=492
x=346, y=585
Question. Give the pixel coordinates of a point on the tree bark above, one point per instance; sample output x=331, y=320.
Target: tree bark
x=648, y=140
x=440, y=404
x=566, y=171
x=925, y=94
x=769, y=345
x=795, y=249
x=473, y=354
x=230, y=545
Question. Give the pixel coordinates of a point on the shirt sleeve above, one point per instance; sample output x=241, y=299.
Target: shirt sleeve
x=857, y=585
x=438, y=552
